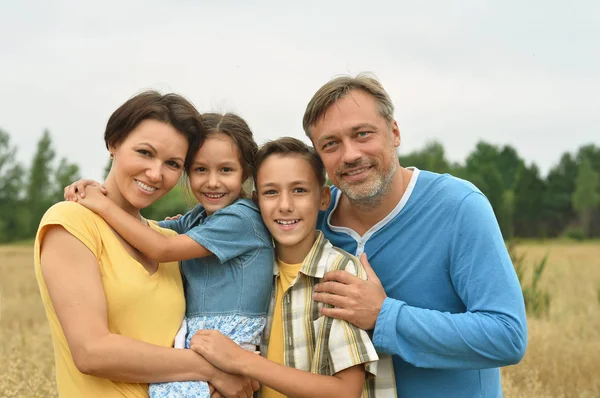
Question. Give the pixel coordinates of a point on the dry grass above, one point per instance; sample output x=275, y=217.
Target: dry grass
x=563, y=354
x=26, y=358
x=562, y=360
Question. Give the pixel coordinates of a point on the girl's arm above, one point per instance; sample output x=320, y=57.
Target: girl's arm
x=151, y=243
x=72, y=277
x=228, y=356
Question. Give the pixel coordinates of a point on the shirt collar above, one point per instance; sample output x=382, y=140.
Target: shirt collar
x=315, y=264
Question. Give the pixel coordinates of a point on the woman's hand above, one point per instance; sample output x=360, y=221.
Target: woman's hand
x=232, y=386
x=219, y=350
x=77, y=189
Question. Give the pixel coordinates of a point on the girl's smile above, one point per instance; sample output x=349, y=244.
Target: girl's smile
x=216, y=176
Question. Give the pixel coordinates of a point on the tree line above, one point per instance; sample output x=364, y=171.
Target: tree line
x=566, y=202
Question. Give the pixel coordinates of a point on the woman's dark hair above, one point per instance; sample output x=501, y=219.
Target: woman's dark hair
x=168, y=108
x=237, y=129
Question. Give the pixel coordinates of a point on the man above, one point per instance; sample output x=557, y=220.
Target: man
x=444, y=298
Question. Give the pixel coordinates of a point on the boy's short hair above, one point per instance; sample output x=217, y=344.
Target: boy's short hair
x=291, y=146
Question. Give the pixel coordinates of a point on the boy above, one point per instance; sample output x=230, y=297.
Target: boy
x=307, y=354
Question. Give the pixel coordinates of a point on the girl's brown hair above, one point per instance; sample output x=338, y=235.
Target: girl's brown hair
x=237, y=129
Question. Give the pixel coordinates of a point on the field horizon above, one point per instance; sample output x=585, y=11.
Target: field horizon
x=562, y=359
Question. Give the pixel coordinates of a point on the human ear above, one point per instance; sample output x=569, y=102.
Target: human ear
x=396, y=134
x=325, y=198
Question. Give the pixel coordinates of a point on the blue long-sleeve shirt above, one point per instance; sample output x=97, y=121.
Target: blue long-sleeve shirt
x=454, y=312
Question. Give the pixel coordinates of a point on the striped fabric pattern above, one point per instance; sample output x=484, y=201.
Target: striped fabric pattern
x=322, y=345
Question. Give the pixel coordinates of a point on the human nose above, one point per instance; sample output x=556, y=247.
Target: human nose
x=286, y=203
x=351, y=153
x=213, y=180
x=154, y=172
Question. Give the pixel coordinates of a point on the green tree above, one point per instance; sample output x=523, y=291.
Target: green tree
x=509, y=163
x=432, y=158
x=560, y=185
x=13, y=212
x=508, y=214
x=64, y=175
x=40, y=190
x=505, y=160
x=489, y=180
x=483, y=169
x=592, y=153
x=11, y=171
x=585, y=197
x=528, y=197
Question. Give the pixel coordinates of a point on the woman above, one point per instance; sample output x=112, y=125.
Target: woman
x=113, y=312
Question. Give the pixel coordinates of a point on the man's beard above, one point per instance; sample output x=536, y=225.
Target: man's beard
x=367, y=194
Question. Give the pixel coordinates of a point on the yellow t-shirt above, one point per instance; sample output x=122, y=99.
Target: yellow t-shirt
x=143, y=306
x=287, y=274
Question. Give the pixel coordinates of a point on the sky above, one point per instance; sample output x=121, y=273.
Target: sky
x=525, y=74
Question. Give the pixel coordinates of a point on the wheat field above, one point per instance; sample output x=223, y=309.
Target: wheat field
x=562, y=359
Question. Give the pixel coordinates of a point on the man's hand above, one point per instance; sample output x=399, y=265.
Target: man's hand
x=232, y=386
x=357, y=301
x=177, y=217
x=219, y=350
x=77, y=189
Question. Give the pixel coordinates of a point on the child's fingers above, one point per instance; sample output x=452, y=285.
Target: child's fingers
x=69, y=193
x=80, y=189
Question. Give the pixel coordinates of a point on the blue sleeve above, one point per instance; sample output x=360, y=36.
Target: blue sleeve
x=492, y=332
x=230, y=232
x=180, y=225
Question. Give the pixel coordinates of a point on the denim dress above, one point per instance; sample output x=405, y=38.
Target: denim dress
x=228, y=291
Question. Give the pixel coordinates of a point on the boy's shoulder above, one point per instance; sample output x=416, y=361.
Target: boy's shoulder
x=351, y=264
x=333, y=258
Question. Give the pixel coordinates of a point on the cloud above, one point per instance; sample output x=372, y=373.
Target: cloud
x=508, y=73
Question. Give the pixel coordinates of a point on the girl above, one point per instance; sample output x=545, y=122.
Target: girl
x=227, y=251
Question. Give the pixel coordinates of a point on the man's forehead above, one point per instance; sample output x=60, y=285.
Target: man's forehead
x=354, y=104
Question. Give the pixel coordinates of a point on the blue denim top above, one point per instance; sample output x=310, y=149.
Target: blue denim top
x=237, y=278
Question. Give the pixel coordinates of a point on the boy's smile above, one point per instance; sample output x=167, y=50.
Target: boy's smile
x=290, y=197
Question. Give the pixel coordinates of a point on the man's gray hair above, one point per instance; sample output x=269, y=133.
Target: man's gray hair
x=337, y=88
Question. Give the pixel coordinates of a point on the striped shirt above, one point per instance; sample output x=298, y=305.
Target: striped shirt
x=323, y=345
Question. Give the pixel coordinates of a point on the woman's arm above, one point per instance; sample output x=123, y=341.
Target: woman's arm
x=72, y=277
x=229, y=357
x=151, y=243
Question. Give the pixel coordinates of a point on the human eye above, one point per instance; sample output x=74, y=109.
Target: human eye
x=200, y=169
x=328, y=144
x=363, y=134
x=173, y=164
x=144, y=152
x=300, y=190
x=226, y=169
x=269, y=192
